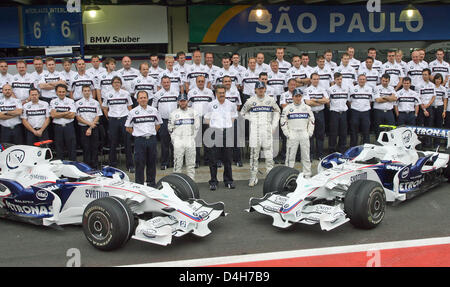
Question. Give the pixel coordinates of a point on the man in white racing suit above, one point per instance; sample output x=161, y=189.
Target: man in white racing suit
x=297, y=123
x=183, y=126
x=263, y=114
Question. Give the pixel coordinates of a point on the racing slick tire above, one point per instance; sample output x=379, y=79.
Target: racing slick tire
x=365, y=204
x=282, y=180
x=108, y=223
x=185, y=188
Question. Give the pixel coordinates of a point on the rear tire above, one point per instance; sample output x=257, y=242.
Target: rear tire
x=283, y=180
x=185, y=188
x=365, y=204
x=108, y=223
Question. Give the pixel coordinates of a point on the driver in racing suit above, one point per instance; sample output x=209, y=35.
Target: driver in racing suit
x=297, y=123
x=263, y=114
x=183, y=126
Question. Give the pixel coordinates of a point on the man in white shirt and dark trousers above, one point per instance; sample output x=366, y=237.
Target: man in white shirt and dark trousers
x=116, y=104
x=220, y=116
x=88, y=116
x=338, y=95
x=62, y=110
x=165, y=101
x=361, y=97
x=383, y=107
x=35, y=118
x=427, y=94
x=10, y=112
x=199, y=98
x=316, y=97
x=407, y=106
x=143, y=122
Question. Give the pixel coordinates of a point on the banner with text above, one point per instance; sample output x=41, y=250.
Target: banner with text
x=345, y=23
x=131, y=24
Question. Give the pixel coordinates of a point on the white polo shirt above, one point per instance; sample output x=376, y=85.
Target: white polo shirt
x=143, y=121
x=199, y=99
x=117, y=103
x=64, y=105
x=77, y=83
x=8, y=105
x=380, y=92
x=21, y=85
x=395, y=71
x=165, y=102
x=315, y=93
x=361, y=98
x=338, y=95
x=221, y=115
x=36, y=114
x=88, y=109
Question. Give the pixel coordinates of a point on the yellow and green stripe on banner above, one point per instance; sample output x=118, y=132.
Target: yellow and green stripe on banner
x=206, y=22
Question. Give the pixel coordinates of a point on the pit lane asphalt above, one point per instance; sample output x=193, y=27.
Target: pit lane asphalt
x=239, y=233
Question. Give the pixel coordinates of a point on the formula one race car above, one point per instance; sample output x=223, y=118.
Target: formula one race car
x=36, y=189
x=353, y=186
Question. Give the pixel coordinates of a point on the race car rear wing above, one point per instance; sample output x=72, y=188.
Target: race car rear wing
x=424, y=131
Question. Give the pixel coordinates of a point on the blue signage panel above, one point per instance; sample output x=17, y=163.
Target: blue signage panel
x=50, y=26
x=329, y=24
x=9, y=23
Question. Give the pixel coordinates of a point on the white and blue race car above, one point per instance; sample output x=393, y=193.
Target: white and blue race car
x=36, y=189
x=353, y=186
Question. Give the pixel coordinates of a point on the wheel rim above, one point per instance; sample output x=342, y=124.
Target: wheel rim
x=99, y=226
x=376, y=207
x=291, y=184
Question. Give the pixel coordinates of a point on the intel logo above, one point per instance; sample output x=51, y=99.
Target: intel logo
x=42, y=195
x=405, y=173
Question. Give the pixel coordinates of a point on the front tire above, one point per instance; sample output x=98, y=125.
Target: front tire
x=281, y=180
x=365, y=204
x=185, y=188
x=108, y=223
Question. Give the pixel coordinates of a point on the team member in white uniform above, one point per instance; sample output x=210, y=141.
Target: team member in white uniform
x=235, y=64
x=316, y=97
x=263, y=113
x=35, y=118
x=372, y=53
x=22, y=82
x=347, y=71
x=143, y=123
x=144, y=82
x=82, y=78
x=10, y=112
x=49, y=79
x=383, y=107
x=62, y=110
x=249, y=78
x=212, y=69
x=286, y=98
x=338, y=95
x=195, y=70
x=67, y=73
x=38, y=64
x=260, y=65
x=414, y=69
x=297, y=123
x=422, y=56
x=300, y=71
x=438, y=105
x=328, y=55
x=263, y=77
x=407, y=105
x=5, y=77
x=354, y=63
x=183, y=126
x=95, y=71
x=226, y=70
x=88, y=116
x=175, y=77
x=165, y=101
x=283, y=65
x=427, y=94
x=116, y=104
x=220, y=116
x=232, y=95
x=325, y=73
x=276, y=80
x=199, y=98
x=446, y=111
x=155, y=70
x=104, y=81
x=361, y=97
x=398, y=60
x=440, y=66
x=180, y=65
x=127, y=73
x=372, y=75
x=394, y=70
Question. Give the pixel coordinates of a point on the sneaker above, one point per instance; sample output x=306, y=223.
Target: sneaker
x=239, y=164
x=212, y=186
x=253, y=182
x=230, y=185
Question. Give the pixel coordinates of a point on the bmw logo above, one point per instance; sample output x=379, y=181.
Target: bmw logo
x=215, y=106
